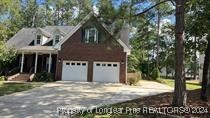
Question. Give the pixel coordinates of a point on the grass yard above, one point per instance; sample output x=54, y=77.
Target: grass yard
x=12, y=87
x=191, y=84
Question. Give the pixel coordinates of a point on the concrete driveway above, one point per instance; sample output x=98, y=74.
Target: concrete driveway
x=43, y=101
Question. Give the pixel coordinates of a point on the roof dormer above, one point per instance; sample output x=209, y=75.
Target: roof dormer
x=41, y=37
x=57, y=36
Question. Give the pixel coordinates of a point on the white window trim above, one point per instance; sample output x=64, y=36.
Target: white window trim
x=87, y=35
x=38, y=39
x=54, y=39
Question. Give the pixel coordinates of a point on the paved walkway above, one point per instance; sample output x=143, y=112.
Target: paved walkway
x=43, y=101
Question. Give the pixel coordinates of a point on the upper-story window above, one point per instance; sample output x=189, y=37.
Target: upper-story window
x=57, y=39
x=38, y=39
x=91, y=35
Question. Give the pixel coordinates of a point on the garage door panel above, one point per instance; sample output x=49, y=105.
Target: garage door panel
x=106, y=72
x=74, y=71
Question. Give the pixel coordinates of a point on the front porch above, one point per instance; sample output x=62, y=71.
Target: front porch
x=34, y=59
x=37, y=62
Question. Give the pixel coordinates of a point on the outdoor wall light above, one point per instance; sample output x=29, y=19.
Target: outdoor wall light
x=59, y=60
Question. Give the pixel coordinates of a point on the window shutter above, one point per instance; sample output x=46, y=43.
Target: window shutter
x=83, y=36
x=99, y=36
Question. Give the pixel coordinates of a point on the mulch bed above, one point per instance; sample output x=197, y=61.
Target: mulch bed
x=165, y=100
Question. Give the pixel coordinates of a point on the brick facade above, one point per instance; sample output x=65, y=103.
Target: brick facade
x=73, y=49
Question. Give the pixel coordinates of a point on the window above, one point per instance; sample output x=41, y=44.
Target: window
x=115, y=65
x=103, y=64
x=78, y=64
x=91, y=35
x=98, y=64
x=57, y=39
x=38, y=39
x=84, y=64
x=72, y=64
x=67, y=63
x=109, y=65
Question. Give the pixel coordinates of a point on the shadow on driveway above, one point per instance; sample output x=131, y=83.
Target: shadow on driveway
x=43, y=101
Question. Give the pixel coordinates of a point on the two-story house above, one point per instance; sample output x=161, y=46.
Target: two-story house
x=85, y=52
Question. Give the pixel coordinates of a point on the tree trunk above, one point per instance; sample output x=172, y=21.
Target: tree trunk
x=205, y=72
x=158, y=37
x=180, y=95
x=195, y=59
x=148, y=63
x=33, y=21
x=166, y=72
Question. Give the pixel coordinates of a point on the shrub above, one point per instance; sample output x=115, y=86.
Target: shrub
x=2, y=78
x=133, y=78
x=155, y=74
x=43, y=77
x=133, y=63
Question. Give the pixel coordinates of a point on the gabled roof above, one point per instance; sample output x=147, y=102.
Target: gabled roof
x=58, y=45
x=61, y=31
x=23, y=38
x=26, y=35
x=65, y=29
x=47, y=34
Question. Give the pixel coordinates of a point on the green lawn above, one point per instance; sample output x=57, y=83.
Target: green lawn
x=191, y=84
x=12, y=87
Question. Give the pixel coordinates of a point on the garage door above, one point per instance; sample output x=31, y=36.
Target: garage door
x=106, y=72
x=74, y=71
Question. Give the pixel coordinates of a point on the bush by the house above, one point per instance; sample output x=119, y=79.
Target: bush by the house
x=146, y=77
x=2, y=78
x=133, y=63
x=155, y=74
x=43, y=77
x=133, y=78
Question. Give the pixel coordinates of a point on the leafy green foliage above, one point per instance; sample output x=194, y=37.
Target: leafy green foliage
x=7, y=56
x=2, y=78
x=133, y=63
x=155, y=74
x=43, y=77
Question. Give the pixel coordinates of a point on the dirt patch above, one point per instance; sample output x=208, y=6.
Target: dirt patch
x=165, y=100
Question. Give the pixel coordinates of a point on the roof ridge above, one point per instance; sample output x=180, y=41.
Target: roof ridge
x=44, y=31
x=59, y=26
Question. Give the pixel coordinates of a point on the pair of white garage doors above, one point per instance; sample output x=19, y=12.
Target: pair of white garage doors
x=102, y=71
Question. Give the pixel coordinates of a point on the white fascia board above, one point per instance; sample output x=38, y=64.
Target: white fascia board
x=125, y=47
x=58, y=45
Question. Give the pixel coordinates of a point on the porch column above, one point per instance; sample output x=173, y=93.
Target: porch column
x=22, y=62
x=35, y=67
x=49, y=65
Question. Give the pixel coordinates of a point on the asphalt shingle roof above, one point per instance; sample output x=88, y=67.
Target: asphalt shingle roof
x=26, y=35
x=23, y=38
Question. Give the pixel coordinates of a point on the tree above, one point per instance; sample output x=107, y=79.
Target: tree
x=180, y=95
x=7, y=55
x=29, y=13
x=205, y=71
x=200, y=12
